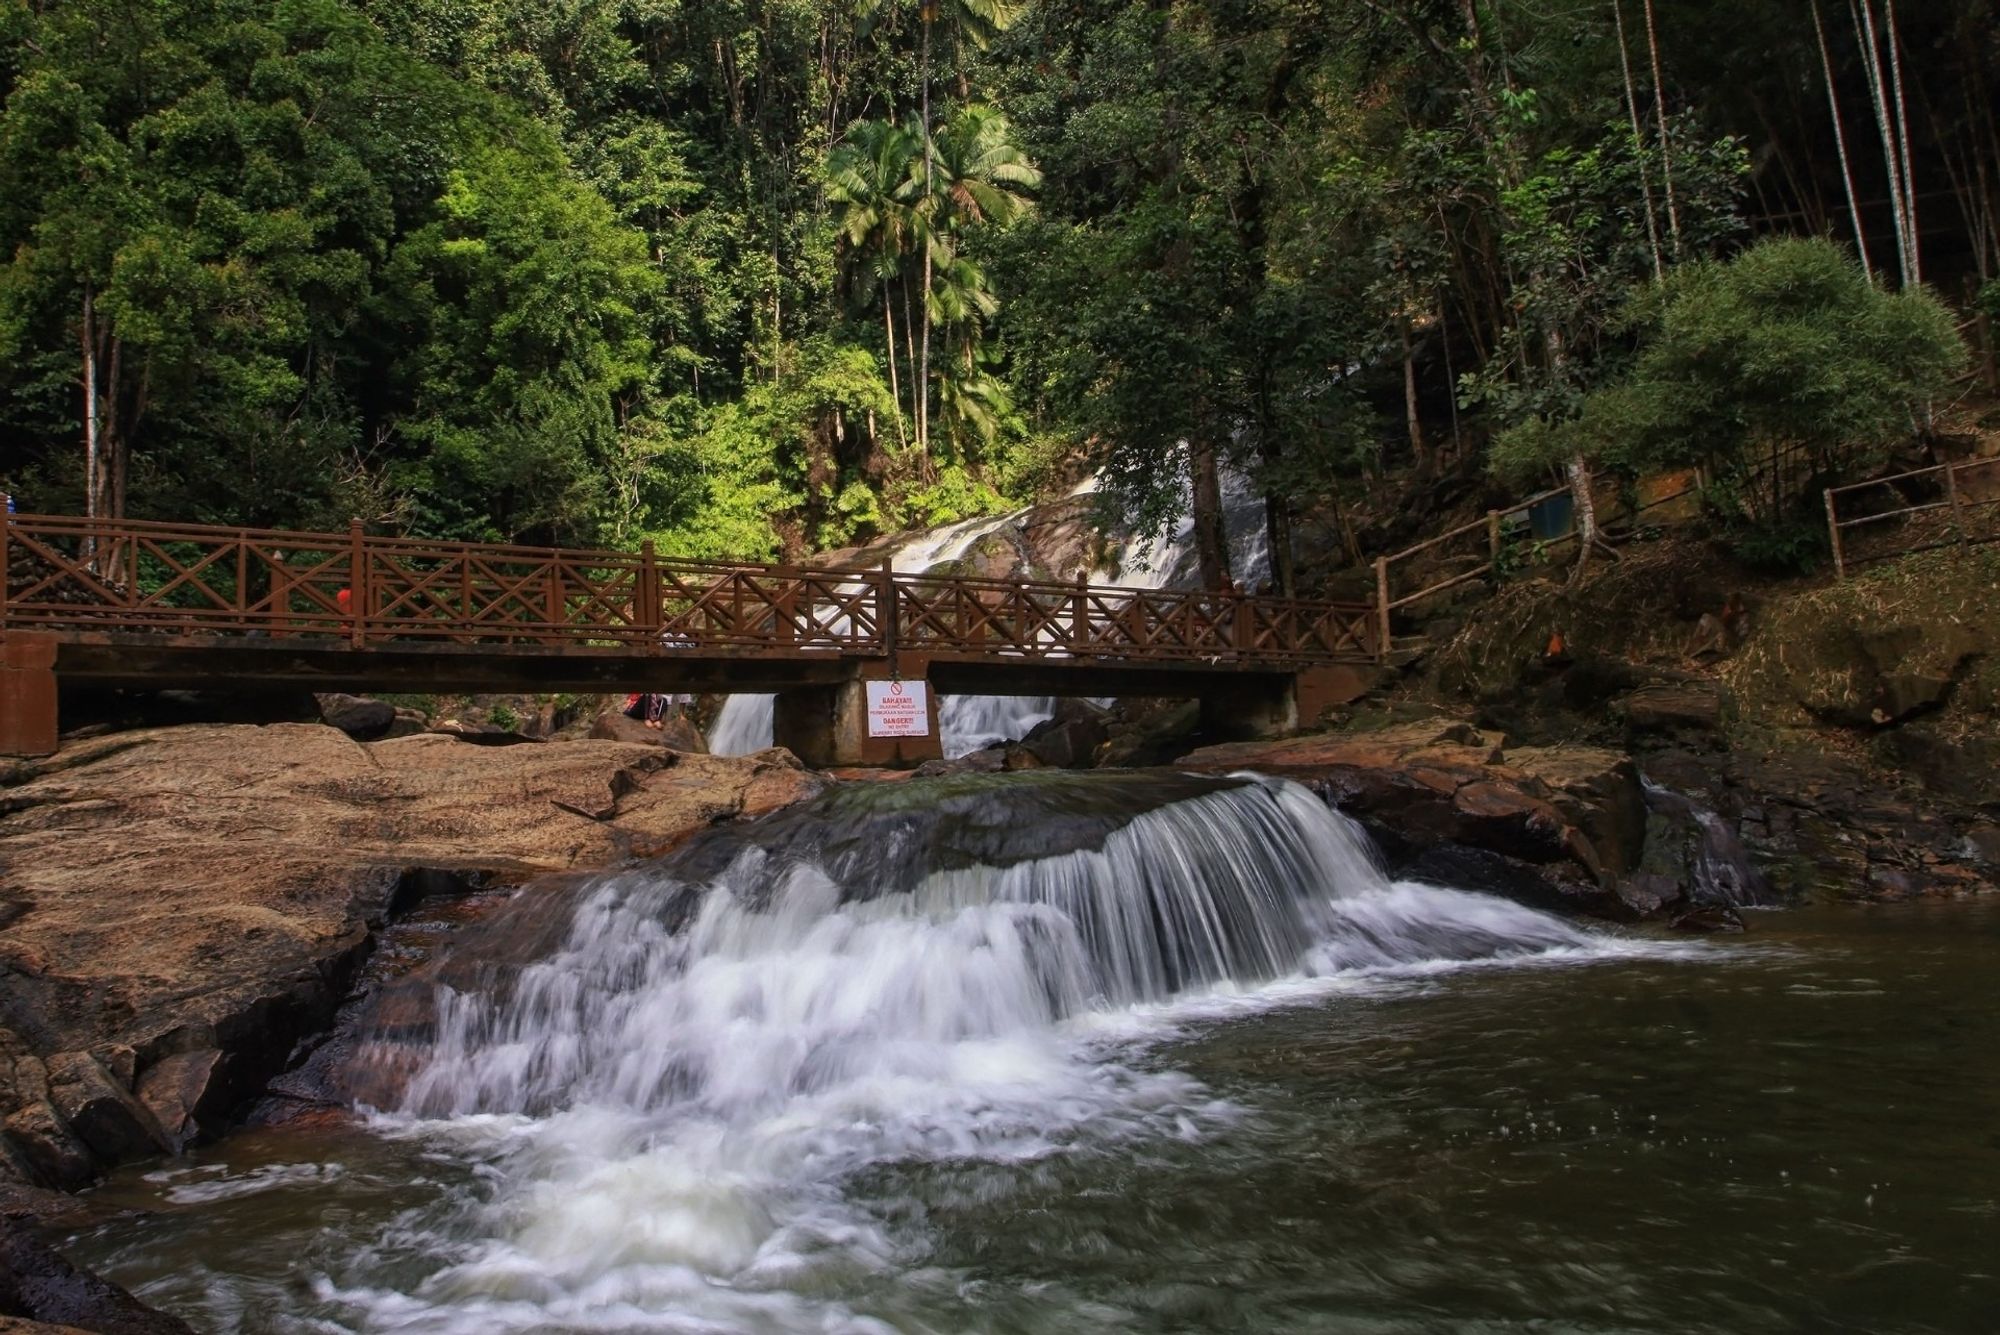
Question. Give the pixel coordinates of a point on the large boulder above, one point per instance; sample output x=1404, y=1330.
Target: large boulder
x=359, y=717
x=1070, y=739
x=179, y=907
x=676, y=732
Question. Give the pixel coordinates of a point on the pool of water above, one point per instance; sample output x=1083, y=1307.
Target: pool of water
x=1797, y=1130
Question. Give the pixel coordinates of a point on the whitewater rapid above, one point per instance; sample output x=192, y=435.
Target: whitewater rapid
x=683, y=1119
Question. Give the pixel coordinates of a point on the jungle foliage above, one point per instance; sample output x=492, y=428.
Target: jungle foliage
x=754, y=277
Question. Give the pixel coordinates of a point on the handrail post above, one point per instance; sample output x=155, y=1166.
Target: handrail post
x=1493, y=538
x=1951, y=491
x=649, y=612
x=1833, y=536
x=1382, y=608
x=1080, y=614
x=357, y=583
x=6, y=555
x=886, y=614
x=243, y=576
x=1240, y=624
x=555, y=611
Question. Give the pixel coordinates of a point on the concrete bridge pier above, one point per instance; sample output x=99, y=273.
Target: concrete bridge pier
x=827, y=726
x=1252, y=706
x=27, y=694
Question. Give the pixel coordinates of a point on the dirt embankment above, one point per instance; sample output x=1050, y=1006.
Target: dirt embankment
x=181, y=907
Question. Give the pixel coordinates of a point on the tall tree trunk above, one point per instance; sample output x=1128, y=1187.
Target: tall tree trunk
x=91, y=464
x=1903, y=143
x=889, y=345
x=1580, y=490
x=909, y=341
x=1278, y=522
x=1412, y=417
x=1211, y=537
x=1639, y=143
x=111, y=435
x=1878, y=92
x=1666, y=141
x=1278, y=529
x=1840, y=142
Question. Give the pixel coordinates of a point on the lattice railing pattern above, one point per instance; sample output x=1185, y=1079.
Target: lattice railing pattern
x=204, y=581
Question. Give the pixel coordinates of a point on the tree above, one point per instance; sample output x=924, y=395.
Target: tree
x=873, y=183
x=1784, y=360
x=529, y=303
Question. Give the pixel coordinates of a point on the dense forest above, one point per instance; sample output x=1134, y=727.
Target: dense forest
x=755, y=277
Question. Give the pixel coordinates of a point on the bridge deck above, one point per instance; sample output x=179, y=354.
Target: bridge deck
x=139, y=602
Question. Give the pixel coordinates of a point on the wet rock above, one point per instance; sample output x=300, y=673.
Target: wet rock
x=357, y=716
x=988, y=760
x=1709, y=918
x=37, y=1284
x=1673, y=707
x=184, y=1095
x=102, y=1113
x=1982, y=845
x=1816, y=826
x=1070, y=740
x=1696, y=849
x=1150, y=733
x=1598, y=792
x=1490, y=873
x=1651, y=893
x=44, y=1143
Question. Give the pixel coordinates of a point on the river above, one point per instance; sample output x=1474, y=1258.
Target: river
x=1129, y=1054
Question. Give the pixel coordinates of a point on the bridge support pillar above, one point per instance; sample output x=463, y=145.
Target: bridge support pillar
x=1254, y=706
x=1317, y=690
x=1248, y=707
x=827, y=726
x=27, y=694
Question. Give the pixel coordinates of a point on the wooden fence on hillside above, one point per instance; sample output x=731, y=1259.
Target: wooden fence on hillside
x=1945, y=505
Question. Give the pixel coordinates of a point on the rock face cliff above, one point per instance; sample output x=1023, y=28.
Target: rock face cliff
x=181, y=907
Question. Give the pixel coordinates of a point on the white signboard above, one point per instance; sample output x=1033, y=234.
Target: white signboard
x=899, y=708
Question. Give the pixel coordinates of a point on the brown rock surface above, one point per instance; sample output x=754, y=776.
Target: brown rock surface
x=178, y=907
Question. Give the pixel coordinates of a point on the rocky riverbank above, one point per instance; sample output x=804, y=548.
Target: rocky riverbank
x=181, y=909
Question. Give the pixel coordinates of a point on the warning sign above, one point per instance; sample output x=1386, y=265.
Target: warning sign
x=899, y=709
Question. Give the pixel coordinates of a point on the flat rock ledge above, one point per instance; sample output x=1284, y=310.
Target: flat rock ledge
x=181, y=908
x=1560, y=827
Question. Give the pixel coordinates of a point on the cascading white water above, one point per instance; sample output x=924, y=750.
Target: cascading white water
x=683, y=1107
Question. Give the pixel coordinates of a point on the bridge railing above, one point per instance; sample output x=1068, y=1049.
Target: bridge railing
x=204, y=581
x=1046, y=619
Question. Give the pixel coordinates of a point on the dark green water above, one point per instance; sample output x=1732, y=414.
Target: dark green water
x=1796, y=1131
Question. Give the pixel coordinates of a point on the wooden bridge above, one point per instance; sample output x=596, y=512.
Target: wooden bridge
x=127, y=603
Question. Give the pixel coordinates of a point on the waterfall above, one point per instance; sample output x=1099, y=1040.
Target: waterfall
x=702, y=1107
x=742, y=726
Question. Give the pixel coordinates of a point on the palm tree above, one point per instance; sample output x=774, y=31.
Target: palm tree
x=980, y=173
x=976, y=173
x=873, y=183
